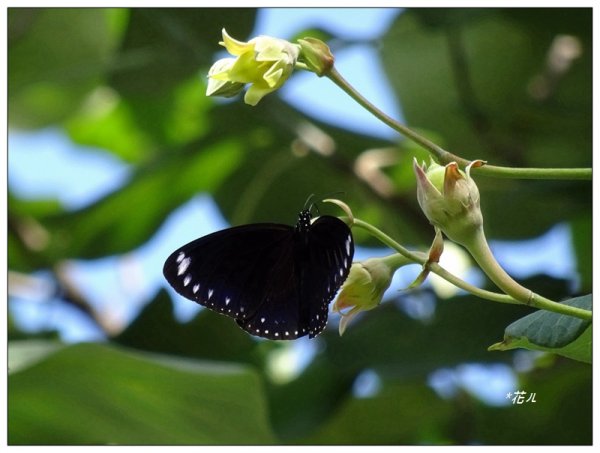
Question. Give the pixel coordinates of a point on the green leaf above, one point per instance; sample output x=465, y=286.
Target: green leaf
x=163, y=46
x=23, y=353
x=129, y=216
x=208, y=335
x=552, y=332
x=56, y=57
x=102, y=394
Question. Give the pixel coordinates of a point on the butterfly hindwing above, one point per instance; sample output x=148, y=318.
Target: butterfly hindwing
x=330, y=251
x=321, y=262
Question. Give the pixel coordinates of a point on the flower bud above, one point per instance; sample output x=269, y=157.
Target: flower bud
x=449, y=198
x=316, y=55
x=264, y=62
x=364, y=288
x=224, y=88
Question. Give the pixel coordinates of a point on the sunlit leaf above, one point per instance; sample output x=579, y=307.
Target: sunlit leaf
x=100, y=394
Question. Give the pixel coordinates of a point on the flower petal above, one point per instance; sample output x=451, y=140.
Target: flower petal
x=245, y=69
x=255, y=93
x=235, y=47
x=220, y=68
x=274, y=77
x=452, y=176
x=346, y=318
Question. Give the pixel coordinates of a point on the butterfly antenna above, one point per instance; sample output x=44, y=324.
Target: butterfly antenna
x=308, y=200
x=321, y=198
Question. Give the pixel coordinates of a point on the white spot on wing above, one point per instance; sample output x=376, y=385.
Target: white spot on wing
x=183, y=265
x=227, y=300
x=187, y=280
x=210, y=293
x=180, y=257
x=196, y=288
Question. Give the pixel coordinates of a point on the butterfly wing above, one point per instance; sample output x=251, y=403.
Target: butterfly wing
x=231, y=271
x=320, y=263
x=330, y=253
x=274, y=280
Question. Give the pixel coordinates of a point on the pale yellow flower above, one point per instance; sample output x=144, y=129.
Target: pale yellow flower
x=263, y=62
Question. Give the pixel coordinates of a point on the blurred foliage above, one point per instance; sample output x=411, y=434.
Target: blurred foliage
x=484, y=83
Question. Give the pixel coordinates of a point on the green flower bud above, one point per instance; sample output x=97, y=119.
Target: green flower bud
x=264, y=62
x=449, y=198
x=364, y=288
x=316, y=55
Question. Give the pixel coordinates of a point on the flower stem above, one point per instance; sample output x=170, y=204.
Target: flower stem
x=480, y=250
x=396, y=261
x=445, y=157
x=422, y=258
x=440, y=153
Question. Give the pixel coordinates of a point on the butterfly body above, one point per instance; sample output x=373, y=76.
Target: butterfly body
x=275, y=280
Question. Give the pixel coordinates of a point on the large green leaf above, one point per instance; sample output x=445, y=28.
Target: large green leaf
x=552, y=332
x=25, y=353
x=101, y=394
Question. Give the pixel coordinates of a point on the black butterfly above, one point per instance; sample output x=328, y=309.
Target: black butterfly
x=275, y=280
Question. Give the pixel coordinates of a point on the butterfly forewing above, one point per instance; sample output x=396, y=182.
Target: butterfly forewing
x=227, y=271
x=275, y=280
